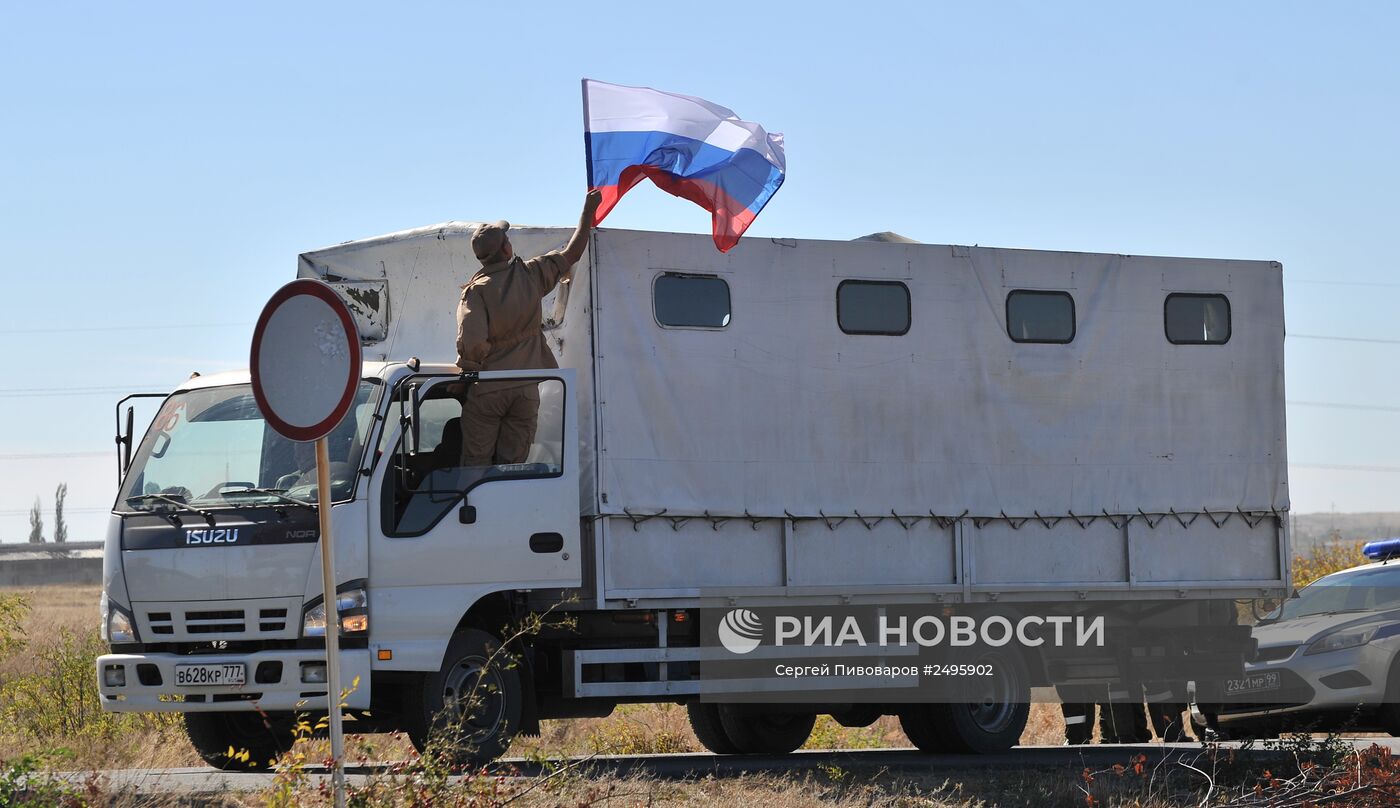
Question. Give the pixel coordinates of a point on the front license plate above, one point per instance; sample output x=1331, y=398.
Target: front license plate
x=210, y=675
x=1253, y=684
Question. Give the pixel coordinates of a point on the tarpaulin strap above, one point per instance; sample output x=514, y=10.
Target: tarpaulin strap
x=1083, y=522
x=638, y=518
x=980, y=522
x=1253, y=518
x=1115, y=522
x=755, y=521
x=1048, y=521
x=946, y=522
x=1184, y=522
x=913, y=520
x=1015, y=524
x=717, y=521
x=828, y=520
x=1148, y=519
x=677, y=522
x=1218, y=522
x=871, y=523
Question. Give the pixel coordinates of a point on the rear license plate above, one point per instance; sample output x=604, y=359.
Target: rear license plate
x=210, y=675
x=1253, y=684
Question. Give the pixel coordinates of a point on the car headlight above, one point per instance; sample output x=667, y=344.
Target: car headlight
x=1338, y=640
x=117, y=626
x=353, y=605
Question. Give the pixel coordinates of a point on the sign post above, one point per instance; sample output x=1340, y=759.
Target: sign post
x=306, y=367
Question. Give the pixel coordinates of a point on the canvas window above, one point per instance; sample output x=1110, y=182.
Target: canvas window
x=690, y=301
x=1193, y=319
x=1036, y=316
x=873, y=307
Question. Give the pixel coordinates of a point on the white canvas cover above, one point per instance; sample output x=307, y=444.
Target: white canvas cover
x=782, y=413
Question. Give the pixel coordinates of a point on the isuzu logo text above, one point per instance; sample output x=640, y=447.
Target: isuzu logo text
x=221, y=535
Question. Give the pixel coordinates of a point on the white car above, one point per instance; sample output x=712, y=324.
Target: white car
x=1327, y=657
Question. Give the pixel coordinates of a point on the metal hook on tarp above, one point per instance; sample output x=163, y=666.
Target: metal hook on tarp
x=1015, y=524
x=1148, y=519
x=1183, y=522
x=755, y=521
x=946, y=522
x=1083, y=522
x=871, y=523
x=1253, y=518
x=913, y=520
x=1117, y=524
x=715, y=521
x=828, y=520
x=638, y=519
x=1048, y=521
x=1218, y=522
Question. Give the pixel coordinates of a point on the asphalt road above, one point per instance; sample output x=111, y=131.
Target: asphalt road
x=205, y=781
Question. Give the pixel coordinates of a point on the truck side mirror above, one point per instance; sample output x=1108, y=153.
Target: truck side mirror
x=467, y=515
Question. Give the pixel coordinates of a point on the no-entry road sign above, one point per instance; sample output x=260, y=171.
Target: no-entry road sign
x=305, y=360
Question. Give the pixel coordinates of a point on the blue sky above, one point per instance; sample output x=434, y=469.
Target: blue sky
x=163, y=164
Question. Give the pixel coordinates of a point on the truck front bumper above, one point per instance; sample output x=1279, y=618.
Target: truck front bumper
x=130, y=683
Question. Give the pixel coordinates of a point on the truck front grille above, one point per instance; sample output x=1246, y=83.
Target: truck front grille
x=230, y=620
x=218, y=622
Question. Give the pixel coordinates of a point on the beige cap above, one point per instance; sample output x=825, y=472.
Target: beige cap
x=489, y=238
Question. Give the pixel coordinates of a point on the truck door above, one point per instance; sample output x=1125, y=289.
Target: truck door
x=471, y=525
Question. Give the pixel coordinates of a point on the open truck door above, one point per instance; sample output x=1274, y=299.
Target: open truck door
x=439, y=520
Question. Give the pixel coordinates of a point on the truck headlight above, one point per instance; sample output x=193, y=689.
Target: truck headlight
x=353, y=604
x=1336, y=641
x=117, y=626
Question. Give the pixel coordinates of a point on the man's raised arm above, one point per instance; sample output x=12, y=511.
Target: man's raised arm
x=579, y=241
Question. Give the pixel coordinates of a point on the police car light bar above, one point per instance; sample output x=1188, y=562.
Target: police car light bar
x=1382, y=550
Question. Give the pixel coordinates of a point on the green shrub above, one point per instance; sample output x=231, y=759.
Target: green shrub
x=54, y=701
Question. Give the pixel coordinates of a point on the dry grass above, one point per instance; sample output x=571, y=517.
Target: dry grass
x=632, y=729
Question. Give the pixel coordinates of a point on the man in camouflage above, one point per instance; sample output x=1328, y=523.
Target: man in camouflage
x=499, y=328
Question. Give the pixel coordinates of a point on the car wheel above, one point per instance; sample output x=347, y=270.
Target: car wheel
x=1390, y=710
x=256, y=740
x=470, y=709
x=709, y=730
x=757, y=730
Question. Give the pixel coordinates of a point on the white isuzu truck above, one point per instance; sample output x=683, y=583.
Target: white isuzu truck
x=798, y=424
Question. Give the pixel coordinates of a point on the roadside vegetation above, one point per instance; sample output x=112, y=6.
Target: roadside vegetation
x=50, y=723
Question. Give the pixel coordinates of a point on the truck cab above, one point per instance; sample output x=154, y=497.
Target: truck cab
x=211, y=596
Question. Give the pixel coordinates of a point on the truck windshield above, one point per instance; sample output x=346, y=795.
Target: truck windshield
x=211, y=448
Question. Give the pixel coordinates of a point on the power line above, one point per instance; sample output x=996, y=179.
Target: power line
x=51, y=455
x=66, y=510
x=1345, y=339
x=40, y=392
x=95, y=328
x=1337, y=405
x=1341, y=283
x=1342, y=467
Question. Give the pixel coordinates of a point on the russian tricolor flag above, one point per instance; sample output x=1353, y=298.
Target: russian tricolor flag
x=687, y=146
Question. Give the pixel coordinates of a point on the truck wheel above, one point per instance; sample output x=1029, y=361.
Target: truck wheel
x=992, y=723
x=708, y=729
x=470, y=710
x=263, y=738
x=756, y=730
